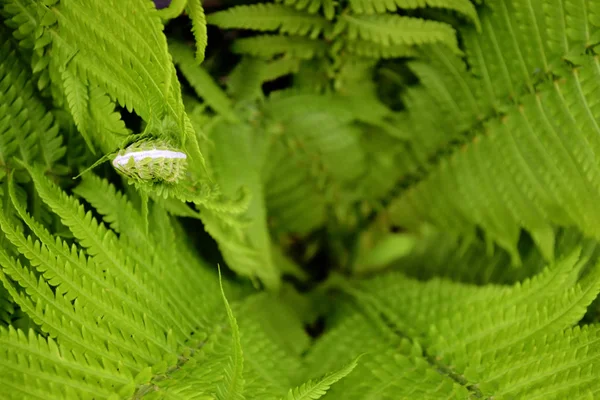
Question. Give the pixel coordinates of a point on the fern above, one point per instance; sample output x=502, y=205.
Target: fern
x=144, y=341
x=268, y=46
x=270, y=17
x=536, y=134
x=317, y=389
x=367, y=200
x=392, y=30
x=375, y=6
x=199, y=27
x=448, y=356
x=232, y=385
x=201, y=81
x=377, y=34
x=27, y=129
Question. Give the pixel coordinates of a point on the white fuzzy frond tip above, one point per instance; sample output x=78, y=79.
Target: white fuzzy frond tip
x=123, y=159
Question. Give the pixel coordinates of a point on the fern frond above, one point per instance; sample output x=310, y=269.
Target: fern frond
x=269, y=328
x=392, y=368
x=232, y=386
x=114, y=206
x=59, y=263
x=374, y=50
x=539, y=40
x=507, y=91
x=313, y=6
x=78, y=99
x=473, y=347
x=556, y=366
x=26, y=17
x=560, y=196
x=149, y=83
x=268, y=46
x=27, y=129
x=316, y=134
x=388, y=30
x=150, y=288
x=244, y=239
x=28, y=358
x=199, y=371
x=196, y=13
x=178, y=270
x=132, y=328
x=270, y=17
x=318, y=388
x=464, y=7
x=268, y=368
x=281, y=320
x=244, y=84
x=436, y=307
x=278, y=68
x=443, y=76
x=73, y=285
x=462, y=259
x=204, y=85
x=294, y=203
x=7, y=307
x=58, y=317
x=568, y=26
x=31, y=23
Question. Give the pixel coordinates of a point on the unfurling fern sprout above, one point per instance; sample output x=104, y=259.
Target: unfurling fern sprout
x=154, y=161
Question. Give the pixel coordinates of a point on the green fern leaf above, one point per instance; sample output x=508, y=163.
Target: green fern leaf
x=245, y=243
x=205, y=87
x=7, y=307
x=317, y=389
x=273, y=338
x=293, y=201
x=390, y=30
x=279, y=68
x=317, y=136
x=149, y=86
x=369, y=49
x=31, y=23
x=56, y=369
x=76, y=93
x=196, y=13
x=26, y=18
x=464, y=7
x=392, y=368
x=270, y=17
x=505, y=71
x=245, y=82
x=27, y=129
x=232, y=387
x=313, y=6
x=268, y=46
x=514, y=325
x=532, y=127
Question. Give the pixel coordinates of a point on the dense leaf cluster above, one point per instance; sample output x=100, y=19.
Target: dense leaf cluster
x=363, y=199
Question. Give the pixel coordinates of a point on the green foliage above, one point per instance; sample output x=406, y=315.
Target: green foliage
x=441, y=339
x=522, y=112
x=27, y=129
x=366, y=200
